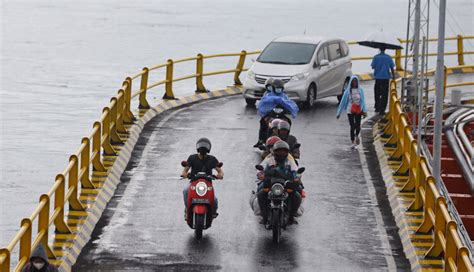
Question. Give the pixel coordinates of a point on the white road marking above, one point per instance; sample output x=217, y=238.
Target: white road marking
x=387, y=249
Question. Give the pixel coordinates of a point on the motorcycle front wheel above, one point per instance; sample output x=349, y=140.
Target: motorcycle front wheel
x=199, y=225
x=276, y=226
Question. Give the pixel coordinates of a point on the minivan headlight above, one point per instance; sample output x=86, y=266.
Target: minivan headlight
x=251, y=74
x=300, y=76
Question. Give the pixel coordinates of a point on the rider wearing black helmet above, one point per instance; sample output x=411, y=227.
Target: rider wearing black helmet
x=278, y=86
x=279, y=165
x=201, y=162
x=275, y=87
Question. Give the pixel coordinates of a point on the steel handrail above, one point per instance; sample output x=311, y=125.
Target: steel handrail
x=455, y=144
x=105, y=133
x=437, y=219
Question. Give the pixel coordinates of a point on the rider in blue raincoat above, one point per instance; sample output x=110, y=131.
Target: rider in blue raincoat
x=273, y=97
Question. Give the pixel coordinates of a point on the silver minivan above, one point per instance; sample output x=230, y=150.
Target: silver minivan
x=311, y=67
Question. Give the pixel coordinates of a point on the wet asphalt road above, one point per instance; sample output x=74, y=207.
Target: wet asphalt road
x=143, y=228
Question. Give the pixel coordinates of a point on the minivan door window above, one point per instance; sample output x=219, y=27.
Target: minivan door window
x=322, y=54
x=287, y=53
x=334, y=51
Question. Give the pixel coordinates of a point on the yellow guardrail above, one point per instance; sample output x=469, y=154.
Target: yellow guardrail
x=116, y=116
x=446, y=241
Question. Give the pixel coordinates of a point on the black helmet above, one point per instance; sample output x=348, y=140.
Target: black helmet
x=204, y=145
x=278, y=83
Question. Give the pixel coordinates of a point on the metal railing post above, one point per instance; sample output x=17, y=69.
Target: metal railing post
x=84, y=173
x=240, y=67
x=398, y=60
x=169, y=80
x=74, y=203
x=460, y=50
x=43, y=225
x=143, y=104
x=115, y=138
x=59, y=223
x=106, y=139
x=199, y=74
x=121, y=111
x=5, y=264
x=96, y=144
x=128, y=114
x=25, y=240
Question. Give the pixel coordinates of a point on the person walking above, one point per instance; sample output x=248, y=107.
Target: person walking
x=353, y=103
x=38, y=261
x=382, y=64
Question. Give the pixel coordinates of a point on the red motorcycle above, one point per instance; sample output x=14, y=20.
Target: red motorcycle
x=200, y=201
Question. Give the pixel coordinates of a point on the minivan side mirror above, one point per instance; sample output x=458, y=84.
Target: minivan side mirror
x=315, y=65
x=324, y=63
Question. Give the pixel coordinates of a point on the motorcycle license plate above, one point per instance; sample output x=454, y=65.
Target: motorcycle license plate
x=200, y=201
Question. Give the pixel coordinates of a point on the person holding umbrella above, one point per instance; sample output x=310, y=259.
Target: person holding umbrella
x=382, y=64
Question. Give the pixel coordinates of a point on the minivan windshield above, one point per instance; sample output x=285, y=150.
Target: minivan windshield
x=287, y=53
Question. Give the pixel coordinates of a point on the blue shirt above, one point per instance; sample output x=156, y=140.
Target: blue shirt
x=382, y=63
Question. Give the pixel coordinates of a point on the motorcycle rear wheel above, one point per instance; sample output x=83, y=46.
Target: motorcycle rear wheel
x=199, y=225
x=276, y=226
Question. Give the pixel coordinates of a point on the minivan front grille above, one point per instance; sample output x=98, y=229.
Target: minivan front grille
x=261, y=80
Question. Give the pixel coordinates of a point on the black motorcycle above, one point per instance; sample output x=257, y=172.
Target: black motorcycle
x=278, y=193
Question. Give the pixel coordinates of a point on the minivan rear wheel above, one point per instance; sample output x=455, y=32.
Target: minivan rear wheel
x=311, y=96
x=339, y=97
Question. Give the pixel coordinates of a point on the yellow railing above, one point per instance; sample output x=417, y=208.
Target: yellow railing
x=106, y=132
x=446, y=241
x=89, y=158
x=399, y=56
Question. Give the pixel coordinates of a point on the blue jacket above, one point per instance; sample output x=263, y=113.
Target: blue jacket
x=345, y=97
x=270, y=100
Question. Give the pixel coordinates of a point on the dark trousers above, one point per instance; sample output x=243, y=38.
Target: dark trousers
x=263, y=131
x=354, y=122
x=381, y=94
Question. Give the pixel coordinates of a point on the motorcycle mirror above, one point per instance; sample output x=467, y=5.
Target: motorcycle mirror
x=301, y=170
x=262, y=147
x=259, y=167
x=297, y=145
x=184, y=164
x=220, y=164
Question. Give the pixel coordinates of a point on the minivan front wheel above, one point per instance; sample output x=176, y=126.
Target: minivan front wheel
x=250, y=101
x=311, y=96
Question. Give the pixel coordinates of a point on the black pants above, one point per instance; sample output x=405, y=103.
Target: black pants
x=263, y=131
x=354, y=121
x=381, y=95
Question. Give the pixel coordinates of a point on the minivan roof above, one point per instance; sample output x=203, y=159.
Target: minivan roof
x=302, y=39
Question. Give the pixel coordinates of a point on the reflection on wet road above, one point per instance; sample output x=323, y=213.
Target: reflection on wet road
x=144, y=229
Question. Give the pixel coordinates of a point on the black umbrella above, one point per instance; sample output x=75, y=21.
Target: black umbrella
x=381, y=41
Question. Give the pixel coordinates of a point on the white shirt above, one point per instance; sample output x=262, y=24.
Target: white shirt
x=354, y=97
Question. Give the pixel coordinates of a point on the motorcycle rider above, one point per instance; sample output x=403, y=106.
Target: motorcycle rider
x=279, y=165
x=201, y=162
x=269, y=146
x=284, y=134
x=274, y=127
x=262, y=133
x=273, y=97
